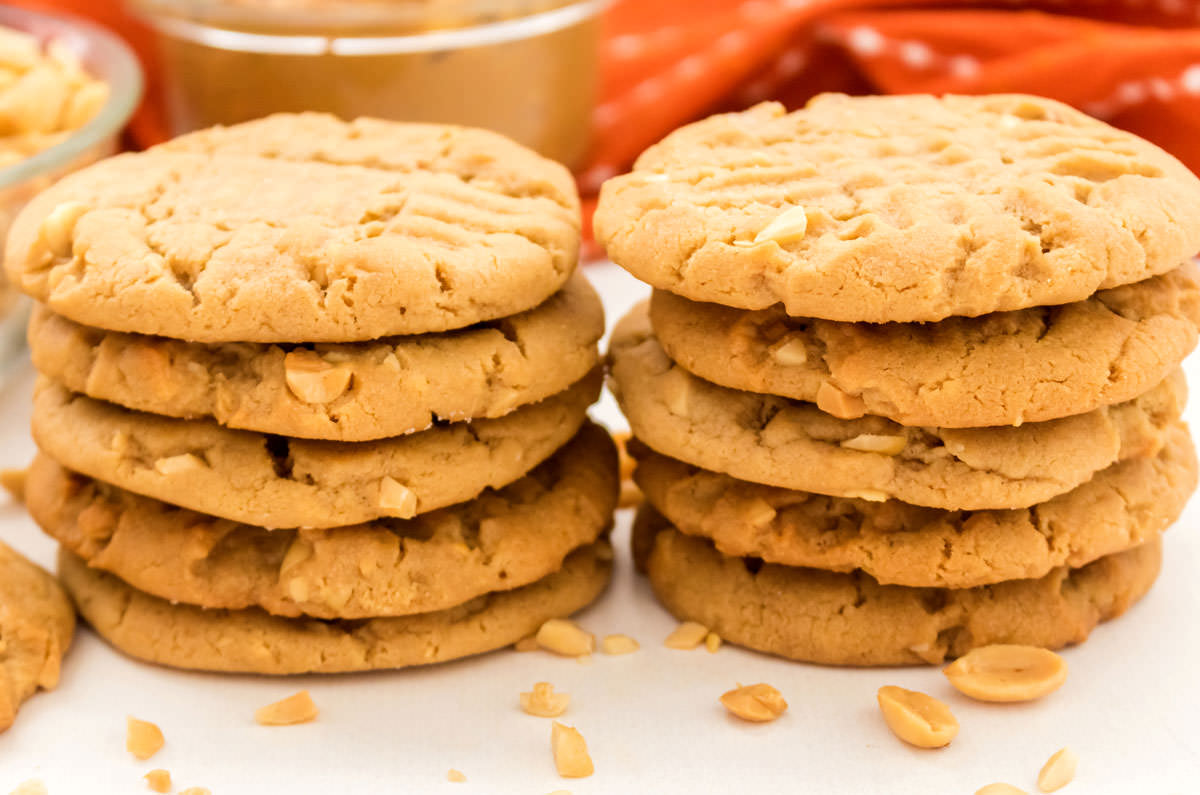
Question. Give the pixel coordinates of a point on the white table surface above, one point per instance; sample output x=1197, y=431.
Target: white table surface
x=1130, y=707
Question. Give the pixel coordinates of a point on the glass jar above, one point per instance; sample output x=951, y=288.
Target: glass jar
x=525, y=68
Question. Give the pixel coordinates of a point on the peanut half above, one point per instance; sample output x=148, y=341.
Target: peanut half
x=756, y=703
x=1004, y=672
x=916, y=718
x=1058, y=771
x=1000, y=788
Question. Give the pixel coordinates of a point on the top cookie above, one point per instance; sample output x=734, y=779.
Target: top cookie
x=302, y=228
x=903, y=208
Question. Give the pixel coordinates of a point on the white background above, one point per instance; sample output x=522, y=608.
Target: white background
x=1130, y=707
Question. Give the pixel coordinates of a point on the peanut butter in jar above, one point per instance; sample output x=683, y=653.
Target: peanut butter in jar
x=525, y=68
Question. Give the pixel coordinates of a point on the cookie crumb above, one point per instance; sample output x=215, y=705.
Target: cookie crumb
x=759, y=703
x=619, y=644
x=543, y=702
x=1058, y=771
x=565, y=637
x=158, y=780
x=33, y=786
x=296, y=708
x=143, y=739
x=1005, y=672
x=1000, y=788
x=712, y=642
x=456, y=776
x=13, y=481
x=916, y=718
x=527, y=643
x=570, y=752
x=687, y=636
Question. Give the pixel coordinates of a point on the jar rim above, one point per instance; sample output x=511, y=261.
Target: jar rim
x=221, y=24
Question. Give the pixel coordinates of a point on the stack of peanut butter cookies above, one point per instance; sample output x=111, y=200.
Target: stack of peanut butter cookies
x=909, y=381
x=314, y=395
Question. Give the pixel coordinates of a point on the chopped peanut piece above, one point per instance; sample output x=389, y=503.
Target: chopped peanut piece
x=712, y=642
x=916, y=718
x=195, y=791
x=33, y=786
x=566, y=638
x=1058, y=771
x=158, y=780
x=788, y=226
x=756, y=703
x=870, y=495
x=543, y=702
x=1000, y=788
x=296, y=708
x=527, y=643
x=686, y=636
x=1004, y=672
x=13, y=481
x=456, y=776
x=619, y=644
x=792, y=353
x=832, y=400
x=142, y=738
x=396, y=498
x=178, y=464
x=312, y=379
x=876, y=443
x=570, y=752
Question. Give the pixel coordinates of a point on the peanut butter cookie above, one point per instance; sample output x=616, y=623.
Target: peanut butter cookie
x=900, y=208
x=302, y=228
x=496, y=542
x=793, y=445
x=274, y=481
x=37, y=623
x=349, y=393
x=1124, y=506
x=253, y=641
x=850, y=619
x=1028, y=365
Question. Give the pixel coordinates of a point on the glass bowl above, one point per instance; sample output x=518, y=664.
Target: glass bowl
x=104, y=56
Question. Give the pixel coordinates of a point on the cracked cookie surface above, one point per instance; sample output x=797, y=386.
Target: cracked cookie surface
x=911, y=208
x=252, y=641
x=302, y=228
x=274, y=481
x=850, y=619
x=499, y=541
x=1126, y=505
x=387, y=387
x=37, y=623
x=794, y=445
x=1028, y=365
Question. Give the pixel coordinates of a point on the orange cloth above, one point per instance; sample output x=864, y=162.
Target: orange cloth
x=1134, y=63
